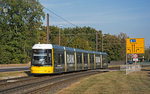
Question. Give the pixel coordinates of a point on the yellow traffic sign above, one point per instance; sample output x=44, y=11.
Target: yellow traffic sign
x=135, y=45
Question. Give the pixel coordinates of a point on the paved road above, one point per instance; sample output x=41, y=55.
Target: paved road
x=9, y=69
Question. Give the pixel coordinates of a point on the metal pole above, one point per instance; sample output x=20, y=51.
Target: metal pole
x=47, y=28
x=59, y=36
x=126, y=52
x=126, y=58
x=96, y=41
x=102, y=42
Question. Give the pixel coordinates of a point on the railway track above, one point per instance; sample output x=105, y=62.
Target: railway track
x=114, y=68
x=34, y=85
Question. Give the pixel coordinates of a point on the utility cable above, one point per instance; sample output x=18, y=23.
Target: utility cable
x=60, y=16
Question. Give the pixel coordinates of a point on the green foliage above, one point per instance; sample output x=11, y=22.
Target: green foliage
x=85, y=38
x=81, y=38
x=147, y=54
x=21, y=28
x=115, y=46
x=18, y=29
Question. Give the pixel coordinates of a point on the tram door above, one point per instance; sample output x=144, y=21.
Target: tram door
x=105, y=61
x=70, y=61
x=91, y=61
x=85, y=61
x=59, y=64
x=79, y=61
x=98, y=61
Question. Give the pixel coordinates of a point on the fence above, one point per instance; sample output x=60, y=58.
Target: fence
x=130, y=68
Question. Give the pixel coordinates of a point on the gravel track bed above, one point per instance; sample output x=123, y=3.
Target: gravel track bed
x=17, y=82
x=60, y=84
x=114, y=68
x=39, y=82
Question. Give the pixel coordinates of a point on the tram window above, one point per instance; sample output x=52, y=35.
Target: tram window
x=41, y=57
x=61, y=58
x=91, y=58
x=98, y=59
x=85, y=58
x=105, y=59
x=70, y=58
x=49, y=58
x=58, y=57
x=79, y=58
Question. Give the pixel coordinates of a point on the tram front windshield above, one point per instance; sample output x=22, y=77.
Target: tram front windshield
x=41, y=57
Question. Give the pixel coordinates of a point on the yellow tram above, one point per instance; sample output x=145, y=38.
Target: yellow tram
x=49, y=58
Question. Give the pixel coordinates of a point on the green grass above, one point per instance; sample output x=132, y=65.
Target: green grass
x=112, y=83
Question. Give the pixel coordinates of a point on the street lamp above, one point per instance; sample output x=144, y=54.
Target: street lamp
x=60, y=26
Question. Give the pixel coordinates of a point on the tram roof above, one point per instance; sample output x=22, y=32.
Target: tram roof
x=77, y=50
x=50, y=46
x=42, y=46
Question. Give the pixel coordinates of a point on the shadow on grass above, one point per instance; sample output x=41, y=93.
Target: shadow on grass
x=146, y=70
x=28, y=73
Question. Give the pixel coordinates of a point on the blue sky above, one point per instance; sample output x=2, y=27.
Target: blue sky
x=111, y=16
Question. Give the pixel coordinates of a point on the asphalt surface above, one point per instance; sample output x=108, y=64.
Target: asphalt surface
x=10, y=69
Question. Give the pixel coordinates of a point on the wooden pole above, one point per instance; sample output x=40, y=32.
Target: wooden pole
x=47, y=28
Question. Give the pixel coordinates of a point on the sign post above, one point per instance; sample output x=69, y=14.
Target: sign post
x=135, y=58
x=134, y=46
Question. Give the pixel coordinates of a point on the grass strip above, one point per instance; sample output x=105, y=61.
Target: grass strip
x=112, y=83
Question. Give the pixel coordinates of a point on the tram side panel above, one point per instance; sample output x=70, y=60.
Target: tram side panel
x=82, y=61
x=70, y=61
x=101, y=61
x=94, y=62
x=91, y=61
x=85, y=61
x=59, y=64
x=105, y=61
x=98, y=61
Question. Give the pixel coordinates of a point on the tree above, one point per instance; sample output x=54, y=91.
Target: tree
x=122, y=38
x=115, y=46
x=85, y=38
x=19, y=28
x=147, y=54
